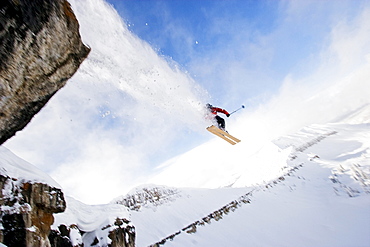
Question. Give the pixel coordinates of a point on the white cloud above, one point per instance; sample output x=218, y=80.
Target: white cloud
x=254, y=61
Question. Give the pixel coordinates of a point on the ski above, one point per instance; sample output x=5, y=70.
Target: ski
x=222, y=134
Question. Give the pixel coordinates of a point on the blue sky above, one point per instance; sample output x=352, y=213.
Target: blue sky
x=190, y=32
x=173, y=26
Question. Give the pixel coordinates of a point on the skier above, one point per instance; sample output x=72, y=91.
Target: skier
x=213, y=114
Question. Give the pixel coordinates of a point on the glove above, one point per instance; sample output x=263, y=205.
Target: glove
x=228, y=115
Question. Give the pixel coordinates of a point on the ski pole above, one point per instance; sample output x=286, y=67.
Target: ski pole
x=238, y=109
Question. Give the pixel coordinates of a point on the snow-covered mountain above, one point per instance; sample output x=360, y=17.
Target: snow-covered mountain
x=310, y=188
x=320, y=197
x=317, y=194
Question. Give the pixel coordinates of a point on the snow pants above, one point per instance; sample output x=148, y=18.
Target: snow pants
x=220, y=122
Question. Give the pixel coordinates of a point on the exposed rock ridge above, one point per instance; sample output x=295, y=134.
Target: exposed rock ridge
x=155, y=196
x=41, y=49
x=121, y=234
x=26, y=211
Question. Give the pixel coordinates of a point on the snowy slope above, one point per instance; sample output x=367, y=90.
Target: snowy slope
x=316, y=193
x=323, y=201
x=15, y=167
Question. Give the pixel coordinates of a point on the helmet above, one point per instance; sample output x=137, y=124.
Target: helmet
x=208, y=105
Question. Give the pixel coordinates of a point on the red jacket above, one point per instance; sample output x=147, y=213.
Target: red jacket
x=214, y=110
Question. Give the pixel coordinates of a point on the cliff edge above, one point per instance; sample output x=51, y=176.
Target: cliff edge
x=40, y=50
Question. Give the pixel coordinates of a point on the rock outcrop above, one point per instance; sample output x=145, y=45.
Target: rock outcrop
x=40, y=49
x=33, y=212
x=123, y=234
x=120, y=234
x=26, y=211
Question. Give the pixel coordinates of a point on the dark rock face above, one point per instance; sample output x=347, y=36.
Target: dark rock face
x=122, y=235
x=14, y=230
x=60, y=238
x=40, y=49
x=26, y=211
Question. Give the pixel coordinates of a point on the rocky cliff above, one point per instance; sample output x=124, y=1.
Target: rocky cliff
x=40, y=50
x=27, y=211
x=34, y=212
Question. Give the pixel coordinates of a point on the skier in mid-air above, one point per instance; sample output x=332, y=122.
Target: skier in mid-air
x=213, y=114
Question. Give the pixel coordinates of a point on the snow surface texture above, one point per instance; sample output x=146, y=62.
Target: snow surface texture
x=17, y=168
